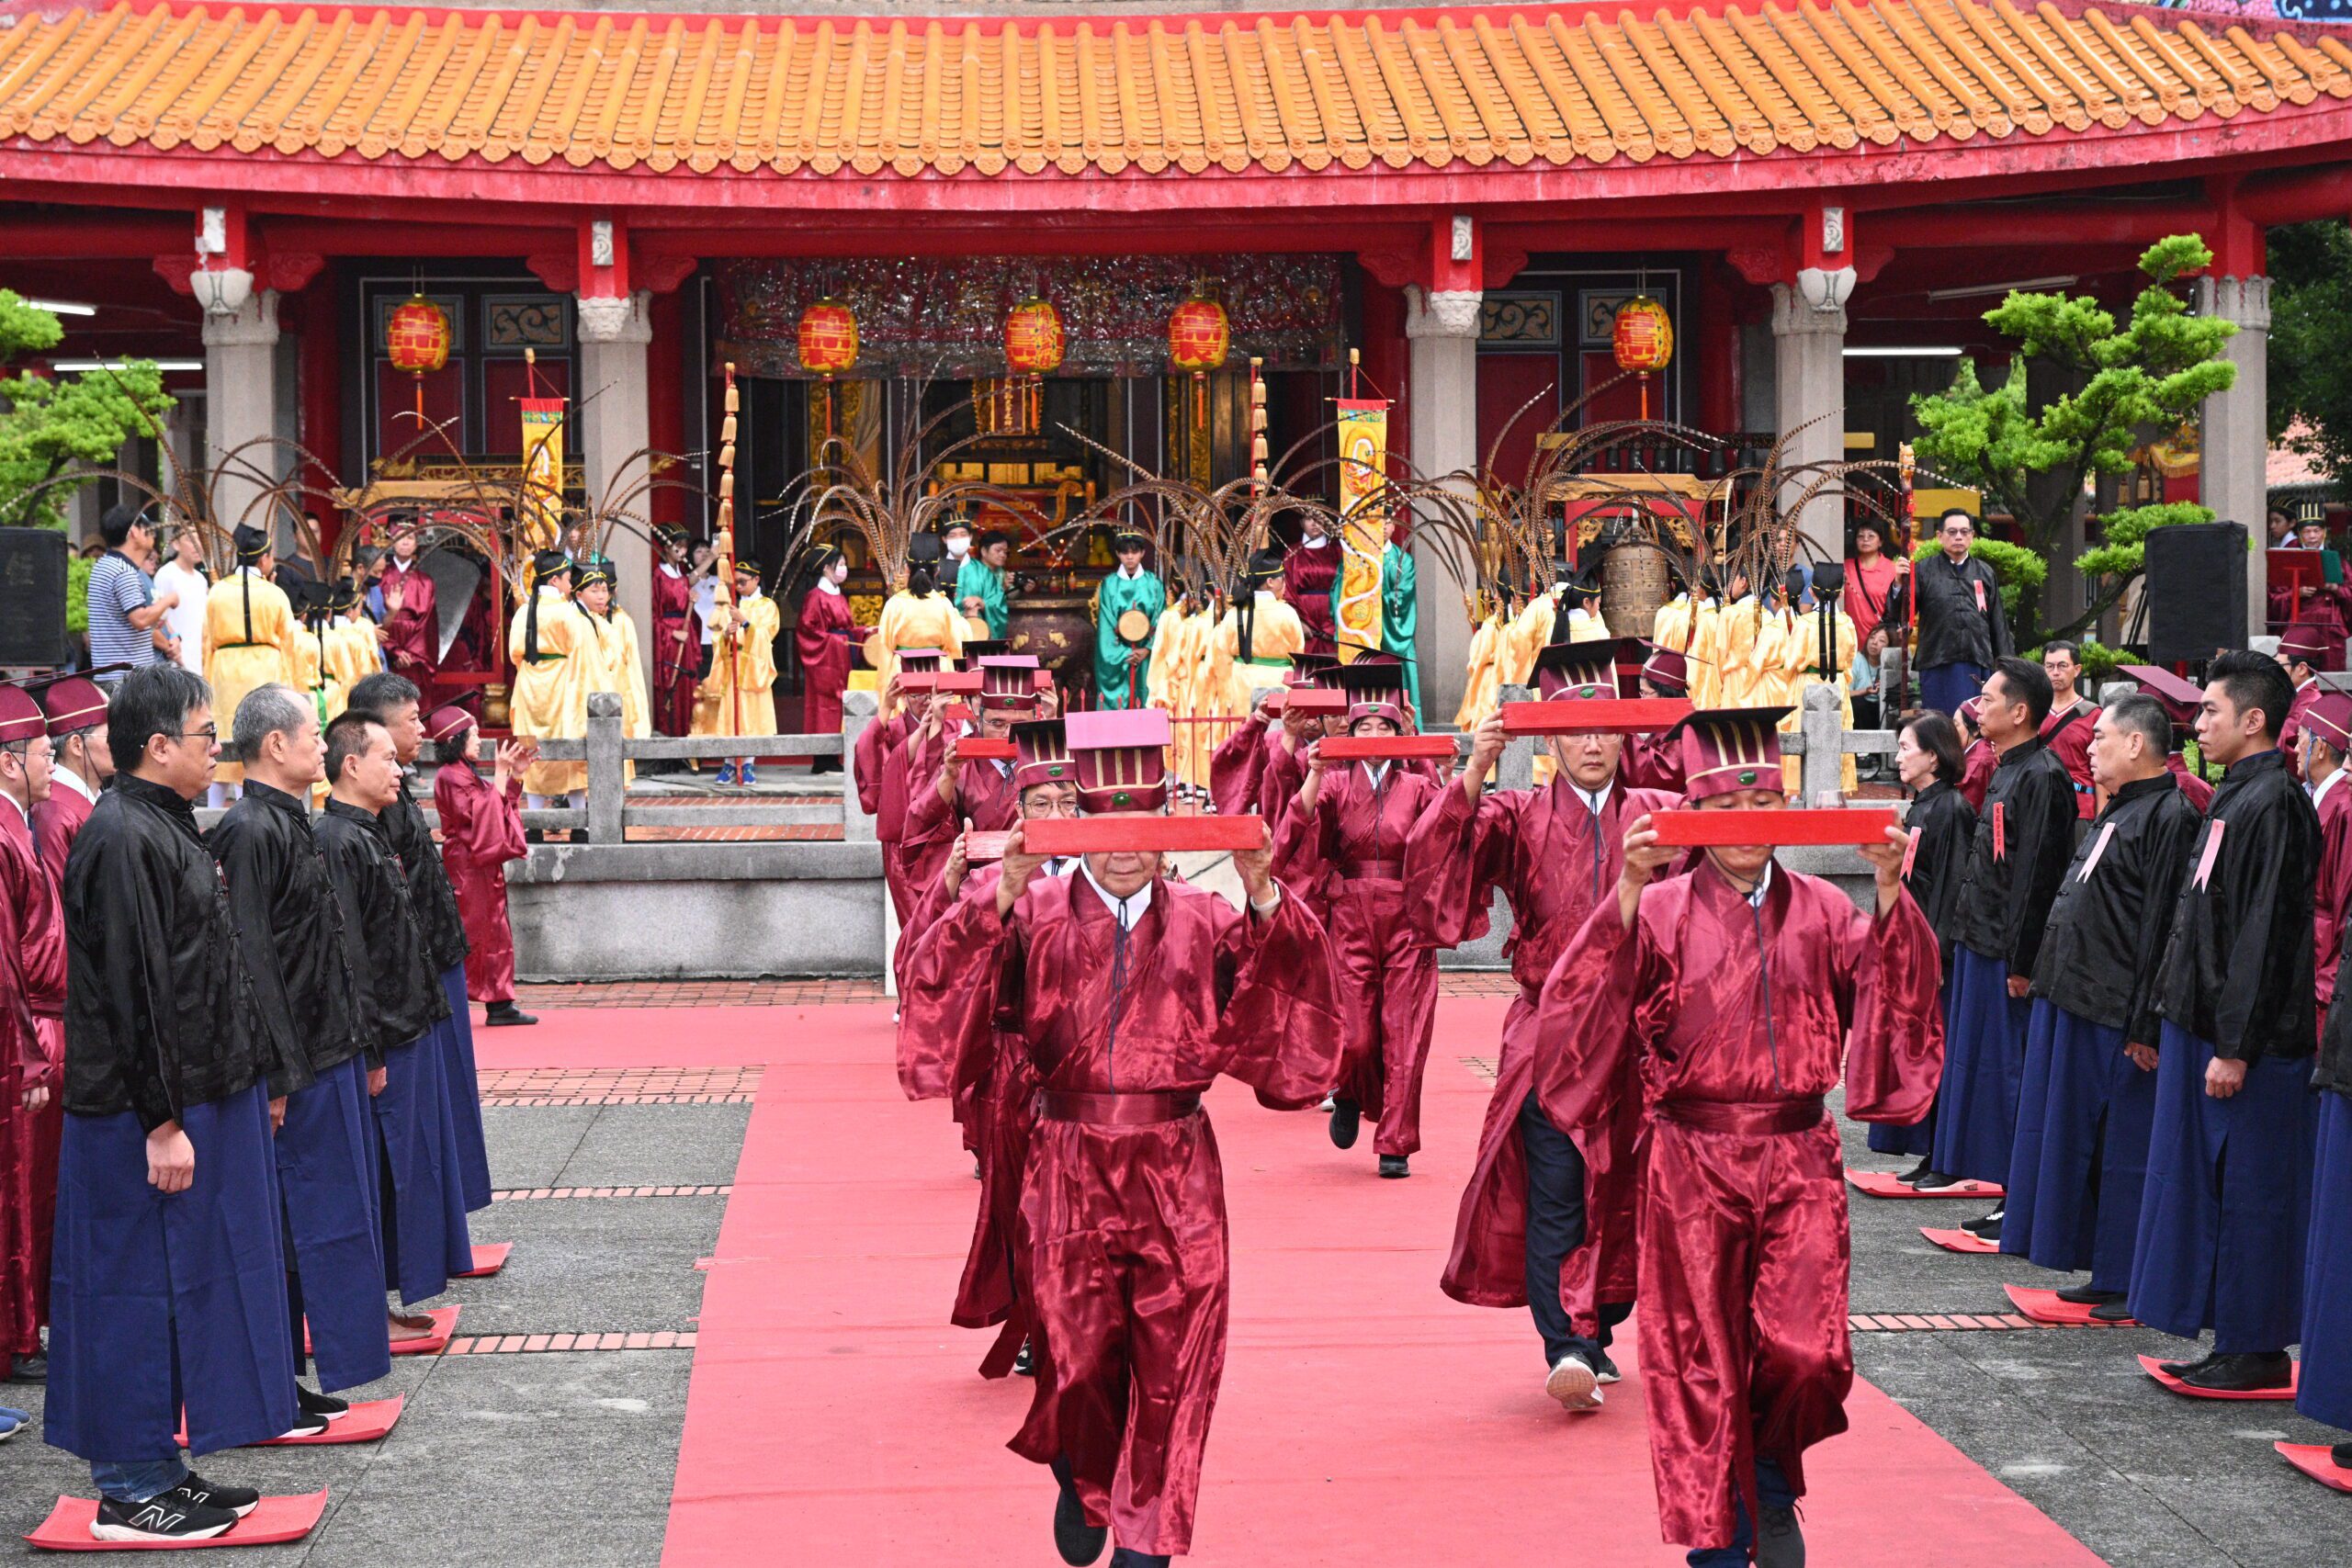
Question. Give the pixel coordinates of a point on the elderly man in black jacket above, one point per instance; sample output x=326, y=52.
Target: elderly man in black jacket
x=2225, y=1214
x=425, y=1239
x=290, y=927
x=170, y=1284
x=2081, y=1153
x=1962, y=629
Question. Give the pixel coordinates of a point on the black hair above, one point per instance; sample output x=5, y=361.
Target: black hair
x=347, y=738
x=2028, y=682
x=116, y=525
x=2254, y=681
x=155, y=699
x=2143, y=716
x=2073, y=651
x=993, y=536
x=1936, y=732
x=1949, y=512
x=919, y=581
x=381, y=693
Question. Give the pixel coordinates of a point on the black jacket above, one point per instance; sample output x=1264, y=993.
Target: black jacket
x=159, y=1012
x=289, y=927
x=2237, y=967
x=2025, y=835
x=400, y=991
x=1953, y=630
x=1946, y=824
x=2107, y=930
x=428, y=880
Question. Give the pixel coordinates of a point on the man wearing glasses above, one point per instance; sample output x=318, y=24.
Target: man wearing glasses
x=171, y=1293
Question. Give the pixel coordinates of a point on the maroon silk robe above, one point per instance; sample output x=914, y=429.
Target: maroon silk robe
x=480, y=831
x=2070, y=741
x=673, y=662
x=2333, y=890
x=1544, y=851
x=1123, y=1223
x=2305, y=695
x=1308, y=577
x=985, y=797
x=56, y=821
x=1976, y=766
x=32, y=998
x=412, y=633
x=1650, y=762
x=1347, y=858
x=822, y=641
x=1730, y=1022
x=910, y=773
x=1238, y=766
x=881, y=795
x=2199, y=792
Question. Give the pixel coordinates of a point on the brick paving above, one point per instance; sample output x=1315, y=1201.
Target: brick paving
x=621, y=1086
x=700, y=994
x=534, y=1194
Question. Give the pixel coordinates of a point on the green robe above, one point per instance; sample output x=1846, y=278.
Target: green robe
x=1398, y=616
x=1111, y=675
x=977, y=580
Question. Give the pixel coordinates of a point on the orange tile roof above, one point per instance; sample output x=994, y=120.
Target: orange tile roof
x=1541, y=86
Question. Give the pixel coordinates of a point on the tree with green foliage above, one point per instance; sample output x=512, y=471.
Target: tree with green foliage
x=2135, y=381
x=2311, y=342
x=53, y=426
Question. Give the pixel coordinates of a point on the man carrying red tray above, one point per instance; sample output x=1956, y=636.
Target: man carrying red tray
x=1132, y=993
x=1721, y=1002
x=1546, y=1222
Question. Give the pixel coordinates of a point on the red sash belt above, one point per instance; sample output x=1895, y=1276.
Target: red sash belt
x=1372, y=870
x=1752, y=1117
x=1118, y=1110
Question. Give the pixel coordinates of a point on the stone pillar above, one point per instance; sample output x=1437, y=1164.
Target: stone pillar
x=240, y=402
x=1442, y=407
x=611, y=397
x=1809, y=387
x=2236, y=437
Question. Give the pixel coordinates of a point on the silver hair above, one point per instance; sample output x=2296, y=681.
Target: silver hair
x=268, y=710
x=2144, y=716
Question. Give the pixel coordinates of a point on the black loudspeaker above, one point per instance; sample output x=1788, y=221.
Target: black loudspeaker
x=32, y=598
x=2196, y=589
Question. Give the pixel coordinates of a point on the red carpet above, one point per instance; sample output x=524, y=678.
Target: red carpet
x=1365, y=1417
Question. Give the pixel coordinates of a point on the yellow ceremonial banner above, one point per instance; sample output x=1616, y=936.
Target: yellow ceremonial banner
x=542, y=518
x=1363, y=467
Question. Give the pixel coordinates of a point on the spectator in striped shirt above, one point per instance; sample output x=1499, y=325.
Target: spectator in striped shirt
x=125, y=615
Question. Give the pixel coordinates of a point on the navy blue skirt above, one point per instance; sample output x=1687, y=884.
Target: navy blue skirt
x=327, y=1170
x=455, y=1036
x=2082, y=1149
x=425, y=1240
x=160, y=1304
x=1914, y=1139
x=2228, y=1204
x=1977, y=1106
x=2324, y=1391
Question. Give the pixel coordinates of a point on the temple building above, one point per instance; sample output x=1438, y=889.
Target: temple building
x=1822, y=197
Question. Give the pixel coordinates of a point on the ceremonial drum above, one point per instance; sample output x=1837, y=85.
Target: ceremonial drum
x=1059, y=630
x=1634, y=583
x=1133, y=628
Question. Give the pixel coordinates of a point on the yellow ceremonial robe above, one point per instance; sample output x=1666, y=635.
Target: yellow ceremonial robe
x=250, y=637
x=536, y=707
x=740, y=688
x=907, y=622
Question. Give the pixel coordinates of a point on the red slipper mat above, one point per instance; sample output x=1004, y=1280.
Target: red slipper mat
x=1360, y=1406
x=2315, y=1461
x=1883, y=1184
x=1958, y=1241
x=363, y=1423
x=2043, y=1306
x=2149, y=1364
x=278, y=1519
x=489, y=1259
x=430, y=1343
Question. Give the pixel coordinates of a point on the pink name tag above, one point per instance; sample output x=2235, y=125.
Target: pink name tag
x=2000, y=830
x=1910, y=854
x=2090, y=862
x=1980, y=594
x=2212, y=852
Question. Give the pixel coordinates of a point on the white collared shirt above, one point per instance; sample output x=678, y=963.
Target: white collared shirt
x=1131, y=572
x=1318, y=542
x=827, y=585
x=72, y=779
x=1763, y=886
x=1594, y=802
x=1127, y=911
x=1377, y=773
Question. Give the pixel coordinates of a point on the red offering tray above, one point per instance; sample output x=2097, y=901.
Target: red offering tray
x=278, y=1519
x=365, y=1422
x=980, y=846
x=918, y=680
x=2043, y=1306
x=490, y=1256
x=1315, y=700
x=965, y=681
x=2316, y=1461
x=979, y=749
x=1595, y=715
x=1386, y=748
x=2150, y=1365
x=1958, y=1241
x=1718, y=829
x=955, y=713
x=1108, y=835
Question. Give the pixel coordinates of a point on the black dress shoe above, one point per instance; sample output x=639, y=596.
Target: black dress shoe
x=1127, y=1557
x=1347, y=1116
x=1024, y=1362
x=1911, y=1178
x=1394, y=1166
x=27, y=1369
x=2341, y=1454
x=2244, y=1373
x=506, y=1015
x=2088, y=1296
x=2182, y=1369
x=2117, y=1311
x=1987, y=1226
x=1079, y=1542
x=1932, y=1181
x=324, y=1404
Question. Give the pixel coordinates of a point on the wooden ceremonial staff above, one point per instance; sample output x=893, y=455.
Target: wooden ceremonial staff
x=724, y=599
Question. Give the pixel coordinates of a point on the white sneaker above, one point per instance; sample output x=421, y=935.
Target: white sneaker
x=1574, y=1384
x=1330, y=1104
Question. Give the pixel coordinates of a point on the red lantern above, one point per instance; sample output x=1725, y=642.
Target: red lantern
x=1198, y=336
x=1034, y=341
x=416, y=340
x=1643, y=340
x=828, y=337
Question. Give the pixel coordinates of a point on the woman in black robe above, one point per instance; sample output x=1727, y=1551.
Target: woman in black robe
x=1929, y=757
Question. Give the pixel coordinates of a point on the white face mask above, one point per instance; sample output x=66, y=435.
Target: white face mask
x=838, y=571
x=958, y=547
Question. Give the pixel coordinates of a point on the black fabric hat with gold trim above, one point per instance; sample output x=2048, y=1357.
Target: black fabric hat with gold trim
x=1728, y=749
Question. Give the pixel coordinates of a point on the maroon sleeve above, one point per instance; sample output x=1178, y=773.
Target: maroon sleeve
x=1604, y=992
x=1453, y=859
x=1278, y=1029
x=1236, y=764
x=1894, y=1051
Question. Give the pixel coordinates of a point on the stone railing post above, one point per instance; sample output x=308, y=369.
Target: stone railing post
x=1515, y=769
x=1824, y=730
x=607, y=786
x=858, y=710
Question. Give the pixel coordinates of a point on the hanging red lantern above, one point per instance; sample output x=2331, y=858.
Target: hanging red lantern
x=828, y=337
x=1034, y=341
x=416, y=340
x=1643, y=340
x=1198, y=337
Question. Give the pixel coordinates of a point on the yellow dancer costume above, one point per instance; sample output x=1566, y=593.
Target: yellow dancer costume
x=1800, y=653
x=539, y=641
x=909, y=620
x=1478, y=675
x=250, y=637
x=352, y=649
x=1275, y=633
x=603, y=658
x=1174, y=676
x=1706, y=654
x=739, y=694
